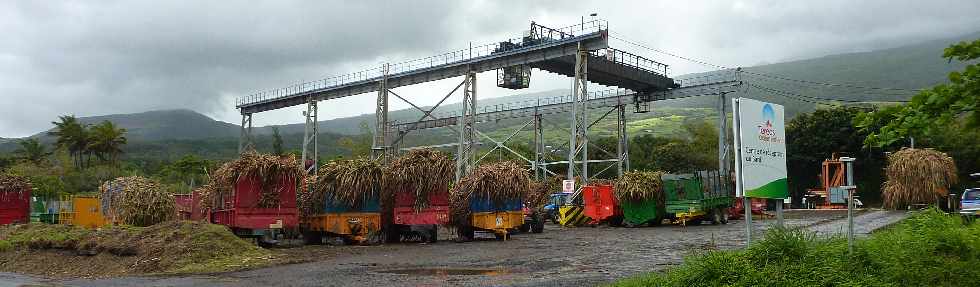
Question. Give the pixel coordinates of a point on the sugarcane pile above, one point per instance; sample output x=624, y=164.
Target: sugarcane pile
x=541, y=191
x=271, y=171
x=421, y=172
x=500, y=182
x=13, y=186
x=917, y=176
x=136, y=201
x=347, y=182
x=640, y=186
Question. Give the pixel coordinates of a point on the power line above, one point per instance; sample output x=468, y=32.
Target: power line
x=790, y=94
x=857, y=91
x=635, y=43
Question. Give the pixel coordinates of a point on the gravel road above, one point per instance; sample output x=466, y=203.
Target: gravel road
x=557, y=257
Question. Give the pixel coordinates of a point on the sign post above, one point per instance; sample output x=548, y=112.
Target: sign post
x=760, y=149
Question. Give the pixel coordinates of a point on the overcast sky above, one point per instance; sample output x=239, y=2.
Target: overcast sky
x=107, y=57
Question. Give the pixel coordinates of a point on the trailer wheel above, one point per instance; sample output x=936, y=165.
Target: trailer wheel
x=434, y=234
x=312, y=237
x=715, y=216
x=538, y=227
x=724, y=216
x=525, y=227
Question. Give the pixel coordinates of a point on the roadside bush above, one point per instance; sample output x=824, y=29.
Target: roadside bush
x=928, y=249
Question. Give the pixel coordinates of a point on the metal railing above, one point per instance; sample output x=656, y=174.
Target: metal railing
x=537, y=35
x=632, y=60
x=708, y=78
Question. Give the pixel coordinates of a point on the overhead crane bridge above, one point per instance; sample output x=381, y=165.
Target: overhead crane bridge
x=579, y=51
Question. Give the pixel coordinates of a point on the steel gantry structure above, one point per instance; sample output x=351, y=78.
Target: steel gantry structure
x=579, y=51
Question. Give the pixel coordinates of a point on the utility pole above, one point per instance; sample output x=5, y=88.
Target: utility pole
x=849, y=165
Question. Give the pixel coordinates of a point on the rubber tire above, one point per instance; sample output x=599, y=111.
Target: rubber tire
x=724, y=216
x=500, y=236
x=525, y=227
x=433, y=234
x=538, y=227
x=312, y=238
x=715, y=216
x=464, y=234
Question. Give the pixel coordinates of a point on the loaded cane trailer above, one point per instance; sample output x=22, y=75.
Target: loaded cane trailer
x=695, y=197
x=499, y=218
x=407, y=219
x=354, y=223
x=241, y=210
x=489, y=199
x=343, y=200
x=15, y=199
x=417, y=194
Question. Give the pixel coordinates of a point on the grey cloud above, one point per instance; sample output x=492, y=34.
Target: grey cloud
x=91, y=58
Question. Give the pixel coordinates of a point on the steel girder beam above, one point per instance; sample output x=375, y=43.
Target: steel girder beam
x=540, y=171
x=381, y=147
x=425, y=113
x=578, y=141
x=466, y=153
x=245, y=139
x=623, y=148
x=596, y=101
x=537, y=53
x=310, y=134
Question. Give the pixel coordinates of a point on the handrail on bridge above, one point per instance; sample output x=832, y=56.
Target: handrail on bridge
x=538, y=35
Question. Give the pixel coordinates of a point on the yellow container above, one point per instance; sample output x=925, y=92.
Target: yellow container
x=498, y=222
x=87, y=212
x=357, y=225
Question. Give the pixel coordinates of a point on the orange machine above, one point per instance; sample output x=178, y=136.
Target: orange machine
x=831, y=194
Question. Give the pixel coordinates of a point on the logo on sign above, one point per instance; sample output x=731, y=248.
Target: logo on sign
x=568, y=185
x=766, y=132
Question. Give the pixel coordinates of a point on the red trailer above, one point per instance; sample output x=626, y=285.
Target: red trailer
x=737, y=210
x=423, y=222
x=239, y=210
x=15, y=206
x=601, y=205
x=185, y=206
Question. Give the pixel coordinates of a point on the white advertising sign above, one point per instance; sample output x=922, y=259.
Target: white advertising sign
x=760, y=147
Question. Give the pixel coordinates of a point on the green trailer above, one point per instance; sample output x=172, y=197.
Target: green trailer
x=639, y=213
x=694, y=197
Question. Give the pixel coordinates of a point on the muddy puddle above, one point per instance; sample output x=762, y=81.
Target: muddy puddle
x=447, y=271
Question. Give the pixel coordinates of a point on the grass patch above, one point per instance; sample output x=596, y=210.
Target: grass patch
x=928, y=249
x=168, y=247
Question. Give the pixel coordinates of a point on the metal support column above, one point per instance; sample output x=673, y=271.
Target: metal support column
x=466, y=153
x=539, y=174
x=310, y=133
x=623, y=149
x=578, y=142
x=723, y=140
x=245, y=140
x=381, y=147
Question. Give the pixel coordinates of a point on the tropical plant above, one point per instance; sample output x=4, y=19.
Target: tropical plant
x=31, y=150
x=106, y=141
x=73, y=136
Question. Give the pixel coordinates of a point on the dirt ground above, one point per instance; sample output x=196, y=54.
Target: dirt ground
x=558, y=257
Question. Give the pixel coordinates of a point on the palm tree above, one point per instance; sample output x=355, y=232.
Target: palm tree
x=72, y=135
x=106, y=141
x=32, y=151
